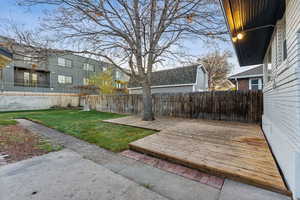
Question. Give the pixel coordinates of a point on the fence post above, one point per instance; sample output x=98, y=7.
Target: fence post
x=226, y=105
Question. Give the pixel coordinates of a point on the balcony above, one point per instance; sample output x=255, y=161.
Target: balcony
x=33, y=84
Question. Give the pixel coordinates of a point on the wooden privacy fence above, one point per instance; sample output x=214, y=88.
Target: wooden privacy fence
x=227, y=105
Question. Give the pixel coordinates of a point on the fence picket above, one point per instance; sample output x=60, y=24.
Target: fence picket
x=227, y=105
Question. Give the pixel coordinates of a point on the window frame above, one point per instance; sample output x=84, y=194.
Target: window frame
x=284, y=40
x=64, y=64
x=88, y=67
x=85, y=81
x=259, y=83
x=64, y=79
x=34, y=81
x=104, y=68
x=268, y=66
x=29, y=59
x=284, y=50
x=27, y=79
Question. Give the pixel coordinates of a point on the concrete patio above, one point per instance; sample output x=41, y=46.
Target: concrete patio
x=66, y=175
x=237, y=151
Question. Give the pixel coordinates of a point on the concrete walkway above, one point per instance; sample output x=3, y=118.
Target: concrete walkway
x=65, y=175
x=164, y=184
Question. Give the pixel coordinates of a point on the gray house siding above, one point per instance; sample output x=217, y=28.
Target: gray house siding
x=52, y=67
x=179, y=80
x=173, y=89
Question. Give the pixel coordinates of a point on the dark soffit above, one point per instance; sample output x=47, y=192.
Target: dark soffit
x=256, y=19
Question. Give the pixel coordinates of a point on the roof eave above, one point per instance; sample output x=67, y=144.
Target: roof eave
x=228, y=28
x=240, y=49
x=246, y=76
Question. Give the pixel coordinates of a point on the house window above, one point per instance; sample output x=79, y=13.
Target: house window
x=64, y=62
x=28, y=58
x=283, y=40
x=26, y=78
x=118, y=75
x=88, y=67
x=85, y=81
x=268, y=65
x=255, y=84
x=64, y=79
x=284, y=50
x=34, y=79
x=274, y=52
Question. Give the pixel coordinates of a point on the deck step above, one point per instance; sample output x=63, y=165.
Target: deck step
x=192, y=174
x=217, y=171
x=234, y=150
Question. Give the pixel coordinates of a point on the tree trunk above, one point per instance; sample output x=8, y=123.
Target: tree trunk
x=147, y=103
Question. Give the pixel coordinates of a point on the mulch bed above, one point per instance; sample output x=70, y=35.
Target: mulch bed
x=17, y=143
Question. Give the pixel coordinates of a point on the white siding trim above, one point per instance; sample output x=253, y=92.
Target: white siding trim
x=260, y=86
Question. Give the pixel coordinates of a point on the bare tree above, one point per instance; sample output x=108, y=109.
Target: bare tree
x=217, y=67
x=137, y=34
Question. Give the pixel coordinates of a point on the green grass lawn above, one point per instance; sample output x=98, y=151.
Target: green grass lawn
x=87, y=126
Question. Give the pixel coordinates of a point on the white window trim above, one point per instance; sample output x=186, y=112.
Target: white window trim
x=260, y=86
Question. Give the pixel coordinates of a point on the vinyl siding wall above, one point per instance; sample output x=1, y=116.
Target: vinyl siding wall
x=281, y=119
x=178, y=89
x=200, y=85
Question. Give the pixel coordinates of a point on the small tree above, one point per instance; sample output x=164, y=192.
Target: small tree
x=104, y=81
x=137, y=33
x=217, y=67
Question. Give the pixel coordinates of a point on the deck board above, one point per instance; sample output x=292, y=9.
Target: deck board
x=233, y=150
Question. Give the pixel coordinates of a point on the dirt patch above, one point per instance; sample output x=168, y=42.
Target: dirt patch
x=18, y=144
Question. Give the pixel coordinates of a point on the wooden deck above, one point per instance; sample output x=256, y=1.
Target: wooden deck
x=237, y=151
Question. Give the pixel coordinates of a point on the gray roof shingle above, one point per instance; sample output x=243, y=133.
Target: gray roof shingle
x=181, y=75
x=251, y=72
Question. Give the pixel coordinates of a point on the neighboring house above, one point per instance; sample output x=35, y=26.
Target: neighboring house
x=251, y=79
x=121, y=79
x=59, y=73
x=5, y=58
x=178, y=80
x=268, y=32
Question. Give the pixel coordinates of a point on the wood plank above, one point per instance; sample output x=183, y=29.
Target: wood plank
x=217, y=105
x=234, y=150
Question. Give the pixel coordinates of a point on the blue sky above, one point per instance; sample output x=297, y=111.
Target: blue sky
x=21, y=15
x=30, y=19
